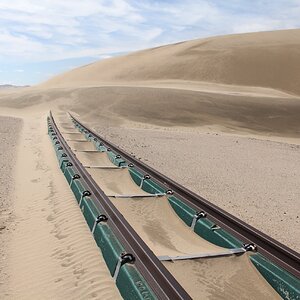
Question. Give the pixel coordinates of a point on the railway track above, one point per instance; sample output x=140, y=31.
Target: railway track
x=125, y=203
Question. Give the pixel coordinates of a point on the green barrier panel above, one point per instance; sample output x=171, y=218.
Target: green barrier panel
x=109, y=244
x=151, y=187
x=185, y=212
x=53, y=136
x=286, y=285
x=220, y=237
x=132, y=285
x=100, y=148
x=111, y=155
x=204, y=227
x=80, y=128
x=129, y=281
x=88, y=136
x=62, y=159
x=116, y=160
x=148, y=185
x=69, y=173
x=62, y=162
x=55, y=142
x=90, y=211
x=94, y=141
x=77, y=189
x=58, y=153
x=136, y=175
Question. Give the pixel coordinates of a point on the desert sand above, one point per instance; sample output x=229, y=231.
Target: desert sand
x=219, y=115
x=158, y=225
x=10, y=129
x=50, y=253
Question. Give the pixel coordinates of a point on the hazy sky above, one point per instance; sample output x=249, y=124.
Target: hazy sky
x=40, y=38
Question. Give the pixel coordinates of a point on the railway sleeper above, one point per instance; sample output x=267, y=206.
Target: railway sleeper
x=287, y=285
x=283, y=282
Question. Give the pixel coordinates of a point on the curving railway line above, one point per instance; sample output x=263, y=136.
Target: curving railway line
x=160, y=240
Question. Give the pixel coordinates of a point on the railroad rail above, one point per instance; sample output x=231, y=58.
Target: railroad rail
x=278, y=253
x=157, y=276
x=281, y=267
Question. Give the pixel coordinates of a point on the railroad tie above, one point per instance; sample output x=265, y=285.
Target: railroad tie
x=77, y=140
x=66, y=132
x=105, y=167
x=86, y=150
x=137, y=196
x=228, y=252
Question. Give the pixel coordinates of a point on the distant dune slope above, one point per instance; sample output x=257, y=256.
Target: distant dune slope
x=265, y=59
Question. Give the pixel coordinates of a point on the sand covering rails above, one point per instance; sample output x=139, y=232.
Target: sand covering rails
x=69, y=131
x=224, y=278
x=116, y=182
x=255, y=179
x=93, y=159
x=74, y=136
x=74, y=139
x=166, y=234
x=82, y=146
x=163, y=231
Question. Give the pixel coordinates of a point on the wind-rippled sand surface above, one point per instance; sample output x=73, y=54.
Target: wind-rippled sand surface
x=51, y=253
x=9, y=135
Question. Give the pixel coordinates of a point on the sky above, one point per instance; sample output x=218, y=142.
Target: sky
x=42, y=38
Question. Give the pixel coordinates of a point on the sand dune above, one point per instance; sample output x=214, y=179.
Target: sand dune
x=236, y=83
x=201, y=100
x=132, y=106
x=265, y=59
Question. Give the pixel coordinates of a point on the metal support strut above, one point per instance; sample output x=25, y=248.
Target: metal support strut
x=124, y=258
x=146, y=177
x=84, y=194
x=75, y=176
x=99, y=219
x=227, y=252
x=197, y=216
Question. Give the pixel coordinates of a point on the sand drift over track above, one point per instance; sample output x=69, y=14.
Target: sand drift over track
x=178, y=235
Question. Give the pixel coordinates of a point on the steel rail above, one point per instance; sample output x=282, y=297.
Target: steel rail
x=275, y=251
x=160, y=280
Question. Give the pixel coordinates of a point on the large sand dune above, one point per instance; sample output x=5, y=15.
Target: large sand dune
x=266, y=59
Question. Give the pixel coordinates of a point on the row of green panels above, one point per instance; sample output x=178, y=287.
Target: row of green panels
x=283, y=282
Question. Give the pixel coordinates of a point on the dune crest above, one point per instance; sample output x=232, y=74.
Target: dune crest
x=264, y=59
